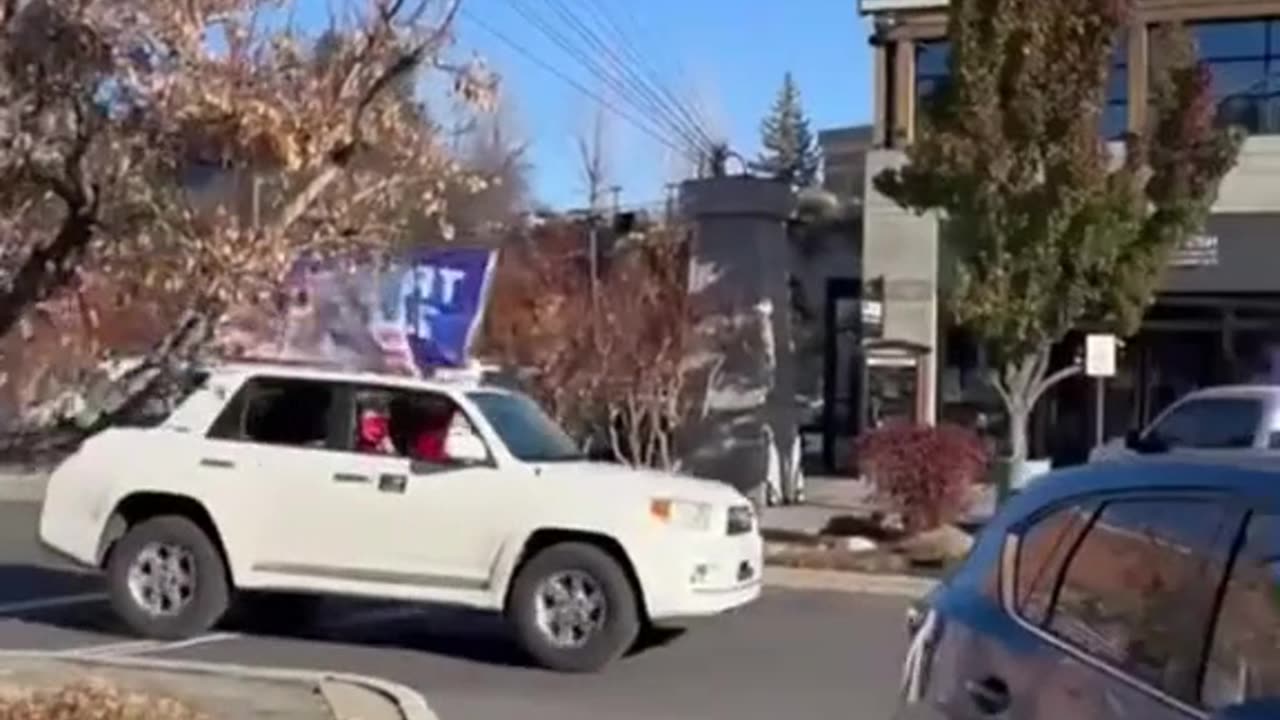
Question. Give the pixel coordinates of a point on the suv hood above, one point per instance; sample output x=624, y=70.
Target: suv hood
x=647, y=481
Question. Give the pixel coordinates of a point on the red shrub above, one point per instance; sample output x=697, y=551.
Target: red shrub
x=923, y=473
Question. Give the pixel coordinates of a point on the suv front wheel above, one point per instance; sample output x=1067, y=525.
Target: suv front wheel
x=167, y=580
x=573, y=608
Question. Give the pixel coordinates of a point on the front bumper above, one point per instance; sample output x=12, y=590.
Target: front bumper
x=696, y=576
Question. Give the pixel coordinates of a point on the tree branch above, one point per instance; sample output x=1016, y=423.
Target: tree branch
x=1044, y=385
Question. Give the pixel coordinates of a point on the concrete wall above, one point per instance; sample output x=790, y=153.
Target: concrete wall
x=739, y=278
x=902, y=248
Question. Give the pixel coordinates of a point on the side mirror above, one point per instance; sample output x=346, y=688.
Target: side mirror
x=1133, y=440
x=1149, y=445
x=466, y=448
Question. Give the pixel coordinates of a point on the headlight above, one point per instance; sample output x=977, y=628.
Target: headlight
x=682, y=514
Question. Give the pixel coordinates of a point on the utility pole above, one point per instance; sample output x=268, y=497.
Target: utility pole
x=617, y=193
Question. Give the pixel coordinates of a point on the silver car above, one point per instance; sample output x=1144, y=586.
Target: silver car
x=1229, y=421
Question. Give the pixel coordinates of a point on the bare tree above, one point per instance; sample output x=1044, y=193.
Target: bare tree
x=595, y=156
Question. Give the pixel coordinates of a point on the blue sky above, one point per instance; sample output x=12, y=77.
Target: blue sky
x=729, y=54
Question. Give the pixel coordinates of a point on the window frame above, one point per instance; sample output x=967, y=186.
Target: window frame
x=1262, y=97
x=1119, y=61
x=347, y=421
x=238, y=407
x=1099, y=501
x=1271, y=508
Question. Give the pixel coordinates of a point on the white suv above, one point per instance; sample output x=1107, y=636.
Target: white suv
x=278, y=478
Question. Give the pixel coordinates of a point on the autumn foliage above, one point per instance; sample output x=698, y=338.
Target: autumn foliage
x=611, y=364
x=92, y=700
x=923, y=473
x=185, y=153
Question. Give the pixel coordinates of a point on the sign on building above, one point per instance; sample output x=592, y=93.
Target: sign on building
x=1195, y=251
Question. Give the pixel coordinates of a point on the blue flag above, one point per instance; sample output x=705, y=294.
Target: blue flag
x=438, y=298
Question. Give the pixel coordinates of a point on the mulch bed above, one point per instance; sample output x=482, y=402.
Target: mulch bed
x=827, y=549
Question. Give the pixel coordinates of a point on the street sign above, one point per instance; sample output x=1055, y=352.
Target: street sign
x=1100, y=355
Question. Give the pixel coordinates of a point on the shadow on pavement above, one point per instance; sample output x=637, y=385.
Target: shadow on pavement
x=27, y=585
x=457, y=633
x=33, y=594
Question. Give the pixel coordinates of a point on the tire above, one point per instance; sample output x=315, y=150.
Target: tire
x=619, y=624
x=202, y=595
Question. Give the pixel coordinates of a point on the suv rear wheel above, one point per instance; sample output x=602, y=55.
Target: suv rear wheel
x=573, y=608
x=167, y=580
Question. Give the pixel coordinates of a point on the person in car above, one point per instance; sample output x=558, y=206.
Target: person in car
x=433, y=430
x=374, y=433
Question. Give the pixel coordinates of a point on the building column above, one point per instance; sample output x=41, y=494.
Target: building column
x=902, y=248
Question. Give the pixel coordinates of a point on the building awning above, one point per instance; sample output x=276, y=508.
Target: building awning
x=1237, y=253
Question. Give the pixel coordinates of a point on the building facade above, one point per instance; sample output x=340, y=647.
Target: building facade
x=1217, y=316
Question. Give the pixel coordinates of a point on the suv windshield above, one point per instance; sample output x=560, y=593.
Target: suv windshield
x=529, y=434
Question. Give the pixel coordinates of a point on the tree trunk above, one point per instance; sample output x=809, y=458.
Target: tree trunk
x=109, y=399
x=1018, y=435
x=47, y=269
x=1021, y=383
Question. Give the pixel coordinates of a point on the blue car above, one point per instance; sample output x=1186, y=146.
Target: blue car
x=1138, y=590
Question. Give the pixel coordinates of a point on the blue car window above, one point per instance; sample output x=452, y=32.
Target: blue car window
x=1043, y=548
x=1139, y=589
x=1244, y=658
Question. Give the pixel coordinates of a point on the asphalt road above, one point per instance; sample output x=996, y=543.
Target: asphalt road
x=794, y=655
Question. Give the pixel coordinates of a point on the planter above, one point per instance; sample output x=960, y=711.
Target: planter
x=1015, y=476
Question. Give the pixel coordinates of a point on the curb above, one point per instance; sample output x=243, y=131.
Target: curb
x=410, y=704
x=904, y=586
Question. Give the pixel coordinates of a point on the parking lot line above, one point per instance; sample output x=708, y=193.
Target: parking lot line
x=144, y=647
x=51, y=602
x=110, y=649
x=192, y=642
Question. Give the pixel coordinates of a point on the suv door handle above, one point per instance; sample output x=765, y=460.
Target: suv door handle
x=350, y=478
x=391, y=483
x=990, y=696
x=217, y=463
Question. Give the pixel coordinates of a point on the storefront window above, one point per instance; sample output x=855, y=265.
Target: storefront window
x=933, y=59
x=1243, y=57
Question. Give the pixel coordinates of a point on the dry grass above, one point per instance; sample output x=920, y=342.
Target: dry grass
x=92, y=700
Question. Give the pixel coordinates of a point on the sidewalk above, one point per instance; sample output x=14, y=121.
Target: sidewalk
x=215, y=692
x=829, y=498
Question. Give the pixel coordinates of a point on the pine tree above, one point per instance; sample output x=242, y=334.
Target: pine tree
x=790, y=152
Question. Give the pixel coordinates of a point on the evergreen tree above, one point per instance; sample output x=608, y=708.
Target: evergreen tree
x=790, y=150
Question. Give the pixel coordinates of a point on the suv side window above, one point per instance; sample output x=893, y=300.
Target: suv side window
x=405, y=423
x=279, y=411
x=1210, y=423
x=1138, y=589
x=1244, y=657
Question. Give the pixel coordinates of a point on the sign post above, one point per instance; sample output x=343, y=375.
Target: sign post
x=1100, y=364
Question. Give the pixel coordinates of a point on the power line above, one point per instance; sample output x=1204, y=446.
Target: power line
x=651, y=91
x=529, y=55
x=635, y=58
x=618, y=87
